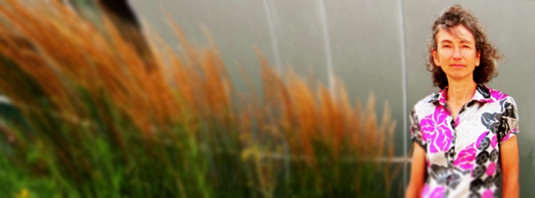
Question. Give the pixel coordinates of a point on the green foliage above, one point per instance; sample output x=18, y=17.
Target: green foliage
x=90, y=119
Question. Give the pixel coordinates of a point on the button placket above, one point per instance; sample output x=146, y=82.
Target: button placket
x=450, y=154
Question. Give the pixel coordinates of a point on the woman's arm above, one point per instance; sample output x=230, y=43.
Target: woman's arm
x=509, y=160
x=418, y=169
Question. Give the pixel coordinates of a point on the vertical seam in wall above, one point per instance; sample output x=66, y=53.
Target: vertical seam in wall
x=278, y=66
x=327, y=45
x=274, y=40
x=404, y=88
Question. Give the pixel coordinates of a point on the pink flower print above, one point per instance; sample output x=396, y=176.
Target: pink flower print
x=494, y=141
x=509, y=135
x=436, y=131
x=438, y=192
x=491, y=169
x=487, y=100
x=425, y=191
x=466, y=158
x=497, y=95
x=487, y=194
x=442, y=99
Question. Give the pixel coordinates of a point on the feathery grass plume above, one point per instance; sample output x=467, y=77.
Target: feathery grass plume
x=101, y=121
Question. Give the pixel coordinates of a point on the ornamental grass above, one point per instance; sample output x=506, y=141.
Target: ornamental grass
x=89, y=116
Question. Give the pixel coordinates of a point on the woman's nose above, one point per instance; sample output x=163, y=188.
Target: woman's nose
x=457, y=53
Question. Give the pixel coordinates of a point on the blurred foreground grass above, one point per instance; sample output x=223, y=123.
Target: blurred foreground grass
x=100, y=119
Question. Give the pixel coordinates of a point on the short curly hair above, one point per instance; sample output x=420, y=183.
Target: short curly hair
x=452, y=17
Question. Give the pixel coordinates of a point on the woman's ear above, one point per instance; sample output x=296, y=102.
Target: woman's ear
x=478, y=58
x=435, y=58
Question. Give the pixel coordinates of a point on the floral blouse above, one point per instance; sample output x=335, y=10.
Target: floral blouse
x=463, y=155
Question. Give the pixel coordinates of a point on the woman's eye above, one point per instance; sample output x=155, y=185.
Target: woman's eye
x=446, y=46
x=466, y=46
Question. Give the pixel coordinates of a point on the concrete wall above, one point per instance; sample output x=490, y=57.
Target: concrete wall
x=373, y=46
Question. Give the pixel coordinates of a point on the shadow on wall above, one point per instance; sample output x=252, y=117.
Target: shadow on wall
x=527, y=169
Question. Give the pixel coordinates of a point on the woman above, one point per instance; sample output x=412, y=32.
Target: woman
x=465, y=134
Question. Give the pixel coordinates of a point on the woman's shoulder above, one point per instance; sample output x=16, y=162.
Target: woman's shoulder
x=499, y=96
x=428, y=100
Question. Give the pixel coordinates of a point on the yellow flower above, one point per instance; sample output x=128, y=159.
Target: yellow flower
x=24, y=193
x=251, y=151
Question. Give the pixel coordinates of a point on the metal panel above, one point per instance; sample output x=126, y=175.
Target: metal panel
x=299, y=34
x=367, y=54
x=237, y=27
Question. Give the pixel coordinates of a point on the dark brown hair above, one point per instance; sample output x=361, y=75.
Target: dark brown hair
x=452, y=17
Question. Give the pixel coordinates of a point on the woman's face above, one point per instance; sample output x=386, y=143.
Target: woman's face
x=456, y=53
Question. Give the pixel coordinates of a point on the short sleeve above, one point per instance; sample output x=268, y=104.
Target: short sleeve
x=509, y=121
x=416, y=133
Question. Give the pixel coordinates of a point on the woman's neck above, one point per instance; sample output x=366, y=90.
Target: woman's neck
x=461, y=92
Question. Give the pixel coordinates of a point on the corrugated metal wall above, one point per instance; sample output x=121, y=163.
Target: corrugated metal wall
x=373, y=46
